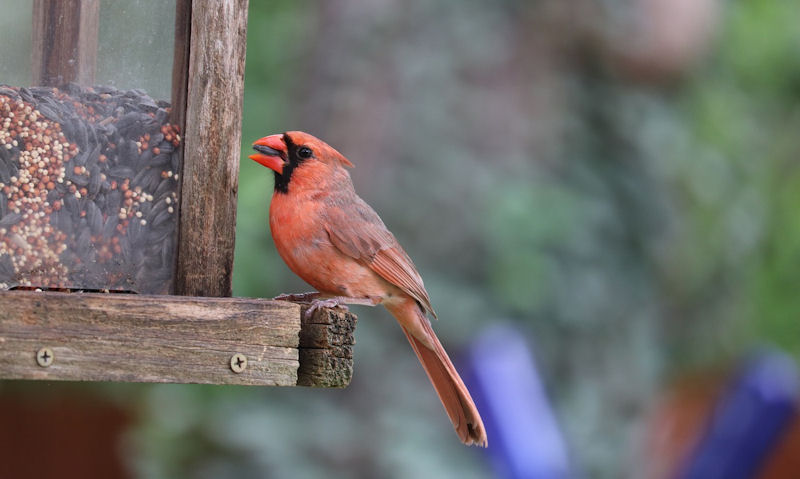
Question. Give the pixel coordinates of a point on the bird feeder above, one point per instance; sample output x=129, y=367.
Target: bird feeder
x=118, y=180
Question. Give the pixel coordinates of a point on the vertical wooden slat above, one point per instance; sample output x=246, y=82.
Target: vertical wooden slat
x=180, y=86
x=211, y=147
x=180, y=61
x=65, y=41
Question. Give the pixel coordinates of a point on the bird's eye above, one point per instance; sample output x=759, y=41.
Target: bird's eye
x=304, y=152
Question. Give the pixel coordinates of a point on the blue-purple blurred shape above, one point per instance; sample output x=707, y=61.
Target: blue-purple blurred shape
x=748, y=421
x=524, y=437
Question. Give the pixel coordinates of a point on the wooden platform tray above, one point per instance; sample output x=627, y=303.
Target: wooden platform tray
x=172, y=339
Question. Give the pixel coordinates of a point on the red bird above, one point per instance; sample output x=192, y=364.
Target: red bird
x=335, y=242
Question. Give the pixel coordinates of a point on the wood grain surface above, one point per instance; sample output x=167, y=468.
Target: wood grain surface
x=140, y=338
x=212, y=136
x=65, y=41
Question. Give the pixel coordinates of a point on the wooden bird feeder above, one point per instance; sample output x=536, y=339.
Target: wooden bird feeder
x=118, y=213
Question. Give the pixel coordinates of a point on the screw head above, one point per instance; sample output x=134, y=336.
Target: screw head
x=238, y=363
x=44, y=357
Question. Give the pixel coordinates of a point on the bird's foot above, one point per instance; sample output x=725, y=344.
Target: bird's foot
x=324, y=303
x=298, y=297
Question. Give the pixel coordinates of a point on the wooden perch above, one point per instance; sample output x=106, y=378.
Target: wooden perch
x=326, y=349
x=173, y=339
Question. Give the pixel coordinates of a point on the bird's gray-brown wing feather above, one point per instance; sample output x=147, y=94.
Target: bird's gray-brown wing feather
x=364, y=237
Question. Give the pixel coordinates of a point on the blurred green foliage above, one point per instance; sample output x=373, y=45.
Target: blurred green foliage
x=635, y=228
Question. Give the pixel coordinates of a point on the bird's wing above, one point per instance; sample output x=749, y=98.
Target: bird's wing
x=363, y=236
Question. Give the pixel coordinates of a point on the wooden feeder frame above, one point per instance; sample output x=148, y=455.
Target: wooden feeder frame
x=200, y=334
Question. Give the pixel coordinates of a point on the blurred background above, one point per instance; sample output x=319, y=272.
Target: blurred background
x=602, y=197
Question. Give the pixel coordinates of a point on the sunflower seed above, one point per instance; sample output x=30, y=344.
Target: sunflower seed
x=10, y=219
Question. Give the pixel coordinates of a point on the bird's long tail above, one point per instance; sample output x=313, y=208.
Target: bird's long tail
x=448, y=384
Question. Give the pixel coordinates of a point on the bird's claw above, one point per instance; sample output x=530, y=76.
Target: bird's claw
x=297, y=297
x=323, y=303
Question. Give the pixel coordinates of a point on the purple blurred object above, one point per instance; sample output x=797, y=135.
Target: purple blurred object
x=748, y=420
x=524, y=437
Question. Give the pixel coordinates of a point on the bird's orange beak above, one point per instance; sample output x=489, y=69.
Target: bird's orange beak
x=271, y=152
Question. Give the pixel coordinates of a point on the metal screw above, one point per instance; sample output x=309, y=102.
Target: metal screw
x=238, y=362
x=44, y=357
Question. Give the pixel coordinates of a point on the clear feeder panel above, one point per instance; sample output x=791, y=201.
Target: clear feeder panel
x=89, y=175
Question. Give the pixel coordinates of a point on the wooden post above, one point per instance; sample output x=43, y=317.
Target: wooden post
x=326, y=349
x=211, y=148
x=140, y=338
x=180, y=62
x=65, y=41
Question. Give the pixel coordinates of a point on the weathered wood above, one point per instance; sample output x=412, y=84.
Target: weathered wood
x=211, y=147
x=141, y=338
x=180, y=62
x=326, y=349
x=65, y=41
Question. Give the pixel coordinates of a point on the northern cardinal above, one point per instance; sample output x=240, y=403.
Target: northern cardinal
x=335, y=242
